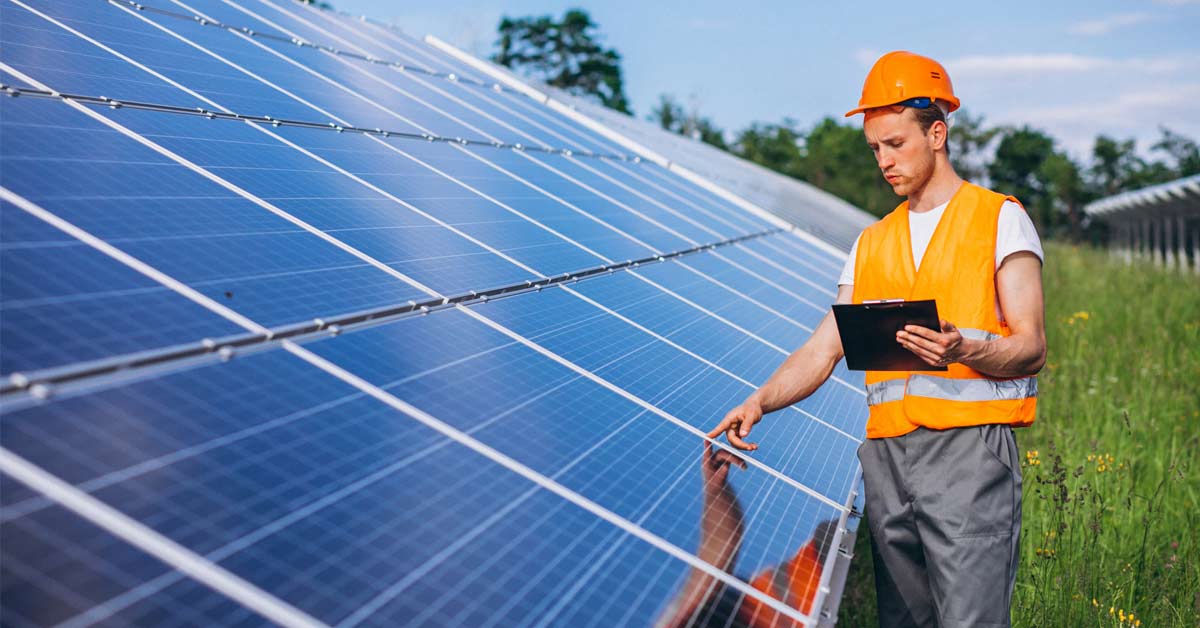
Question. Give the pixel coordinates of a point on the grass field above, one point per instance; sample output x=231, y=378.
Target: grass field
x=1111, y=533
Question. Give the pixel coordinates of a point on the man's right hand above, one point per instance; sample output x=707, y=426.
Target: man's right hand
x=737, y=424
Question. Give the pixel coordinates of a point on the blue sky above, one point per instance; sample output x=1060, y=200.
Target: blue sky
x=1073, y=69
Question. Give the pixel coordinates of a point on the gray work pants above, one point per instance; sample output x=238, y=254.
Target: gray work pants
x=944, y=511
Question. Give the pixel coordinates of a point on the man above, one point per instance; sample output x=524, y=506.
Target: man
x=940, y=464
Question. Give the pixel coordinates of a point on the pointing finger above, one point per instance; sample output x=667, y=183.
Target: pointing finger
x=725, y=425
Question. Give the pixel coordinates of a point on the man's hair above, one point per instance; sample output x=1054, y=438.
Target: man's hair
x=927, y=116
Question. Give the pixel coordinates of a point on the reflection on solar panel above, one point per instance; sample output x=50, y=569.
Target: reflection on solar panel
x=306, y=322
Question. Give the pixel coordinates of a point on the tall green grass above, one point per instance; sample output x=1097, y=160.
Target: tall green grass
x=1112, y=465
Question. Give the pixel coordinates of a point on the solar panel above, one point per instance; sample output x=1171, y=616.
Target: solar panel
x=307, y=322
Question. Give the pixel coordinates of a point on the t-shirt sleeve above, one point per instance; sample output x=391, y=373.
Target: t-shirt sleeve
x=1016, y=233
x=847, y=278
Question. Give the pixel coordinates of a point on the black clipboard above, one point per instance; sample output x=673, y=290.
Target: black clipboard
x=868, y=332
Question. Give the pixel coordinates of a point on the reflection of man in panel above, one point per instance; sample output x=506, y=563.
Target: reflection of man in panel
x=705, y=601
x=940, y=464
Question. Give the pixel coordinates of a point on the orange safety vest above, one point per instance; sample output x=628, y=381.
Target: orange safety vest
x=794, y=583
x=958, y=270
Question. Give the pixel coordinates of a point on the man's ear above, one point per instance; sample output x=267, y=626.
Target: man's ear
x=938, y=135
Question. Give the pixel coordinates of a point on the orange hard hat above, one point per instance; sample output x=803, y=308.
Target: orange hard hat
x=900, y=76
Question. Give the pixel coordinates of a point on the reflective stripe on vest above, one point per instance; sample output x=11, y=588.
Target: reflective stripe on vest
x=973, y=389
x=885, y=391
x=952, y=389
x=977, y=334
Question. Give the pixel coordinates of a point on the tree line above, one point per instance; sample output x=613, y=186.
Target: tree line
x=1023, y=161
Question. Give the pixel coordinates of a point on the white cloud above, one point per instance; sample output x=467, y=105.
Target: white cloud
x=1127, y=106
x=1134, y=112
x=1106, y=25
x=985, y=65
x=993, y=66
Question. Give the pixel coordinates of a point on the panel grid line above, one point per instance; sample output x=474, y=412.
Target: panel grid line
x=24, y=381
x=399, y=65
x=857, y=389
x=357, y=253
x=177, y=36
x=391, y=400
x=453, y=434
x=638, y=149
x=837, y=379
x=153, y=543
x=539, y=163
x=114, y=103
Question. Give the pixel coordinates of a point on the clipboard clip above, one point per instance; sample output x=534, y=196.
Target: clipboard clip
x=883, y=301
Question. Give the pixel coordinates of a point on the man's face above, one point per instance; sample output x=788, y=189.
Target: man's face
x=903, y=152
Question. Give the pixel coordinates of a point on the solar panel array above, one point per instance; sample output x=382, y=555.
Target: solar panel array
x=816, y=211
x=305, y=322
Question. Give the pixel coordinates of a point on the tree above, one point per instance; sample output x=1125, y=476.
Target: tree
x=773, y=146
x=968, y=140
x=563, y=54
x=1116, y=166
x=1015, y=170
x=1065, y=190
x=670, y=115
x=1182, y=150
x=838, y=160
x=831, y=156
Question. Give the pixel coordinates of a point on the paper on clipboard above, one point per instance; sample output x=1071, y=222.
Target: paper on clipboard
x=868, y=332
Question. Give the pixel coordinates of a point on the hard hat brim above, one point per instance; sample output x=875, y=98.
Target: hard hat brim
x=951, y=101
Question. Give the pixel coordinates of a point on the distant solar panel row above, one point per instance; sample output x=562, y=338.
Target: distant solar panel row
x=504, y=429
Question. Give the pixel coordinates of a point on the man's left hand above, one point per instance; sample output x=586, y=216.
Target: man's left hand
x=937, y=349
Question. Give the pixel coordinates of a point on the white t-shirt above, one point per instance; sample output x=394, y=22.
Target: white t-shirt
x=1015, y=232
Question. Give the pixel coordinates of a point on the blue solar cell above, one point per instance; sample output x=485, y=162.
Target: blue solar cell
x=71, y=64
x=732, y=302
x=58, y=566
x=816, y=285
x=671, y=217
x=804, y=307
x=612, y=237
x=338, y=504
x=692, y=327
x=643, y=229
x=179, y=222
x=361, y=38
x=699, y=197
x=391, y=167
x=738, y=351
x=63, y=302
x=555, y=419
x=682, y=385
x=326, y=498
x=326, y=81
x=819, y=262
x=447, y=278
